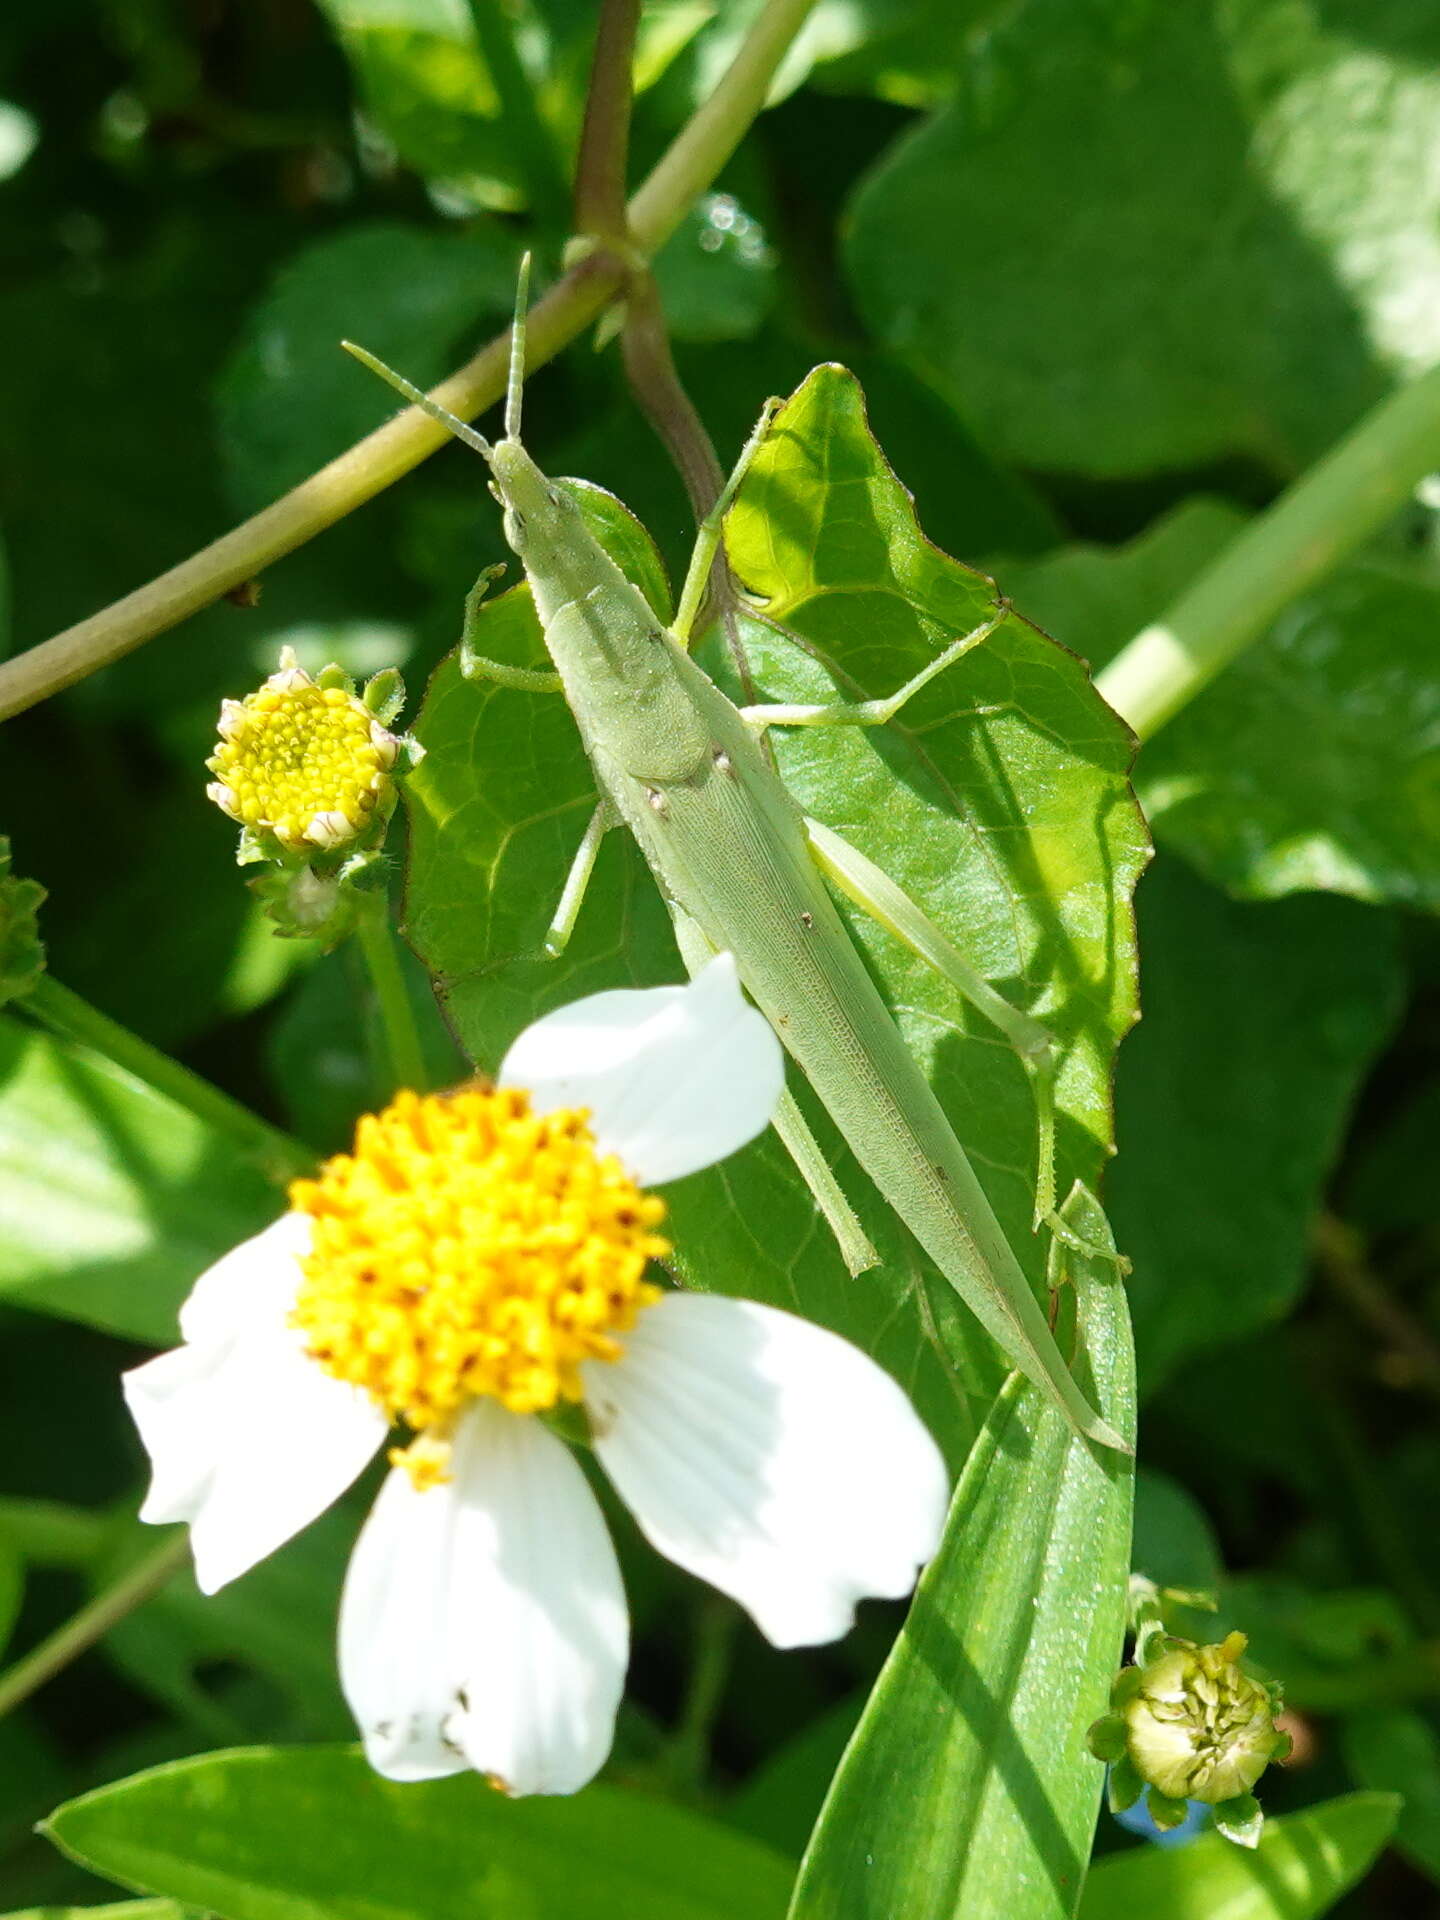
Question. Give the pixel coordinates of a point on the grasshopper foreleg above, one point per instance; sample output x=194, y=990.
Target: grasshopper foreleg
x=707, y=540
x=872, y=713
x=572, y=894
x=794, y=1131
x=478, y=666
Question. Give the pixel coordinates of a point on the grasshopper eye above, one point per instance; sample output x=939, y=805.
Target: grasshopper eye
x=515, y=530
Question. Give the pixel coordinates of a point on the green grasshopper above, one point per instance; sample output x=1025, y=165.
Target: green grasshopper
x=744, y=870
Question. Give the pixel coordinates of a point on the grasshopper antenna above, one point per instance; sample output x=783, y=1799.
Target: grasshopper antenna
x=418, y=399
x=515, y=386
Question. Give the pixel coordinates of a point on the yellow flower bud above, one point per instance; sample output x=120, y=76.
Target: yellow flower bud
x=303, y=764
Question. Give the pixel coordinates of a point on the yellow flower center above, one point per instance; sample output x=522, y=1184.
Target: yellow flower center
x=470, y=1246
x=303, y=762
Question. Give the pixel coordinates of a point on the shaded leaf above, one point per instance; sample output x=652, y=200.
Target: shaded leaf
x=1232, y=1097
x=277, y=1621
x=289, y=399
x=716, y=273
x=237, y=1832
x=1400, y=1752
x=968, y=1788
x=1175, y=1545
x=1303, y=1864
x=112, y=1199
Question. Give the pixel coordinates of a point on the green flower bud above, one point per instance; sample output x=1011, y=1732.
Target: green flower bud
x=1196, y=1727
x=22, y=954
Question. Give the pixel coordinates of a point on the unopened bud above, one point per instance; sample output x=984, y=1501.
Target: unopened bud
x=1188, y=1725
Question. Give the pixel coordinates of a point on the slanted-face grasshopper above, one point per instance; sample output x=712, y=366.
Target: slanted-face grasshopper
x=744, y=870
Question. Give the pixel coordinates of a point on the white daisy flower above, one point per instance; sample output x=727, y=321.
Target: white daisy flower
x=478, y=1260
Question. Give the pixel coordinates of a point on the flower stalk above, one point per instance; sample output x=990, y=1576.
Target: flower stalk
x=139, y=1583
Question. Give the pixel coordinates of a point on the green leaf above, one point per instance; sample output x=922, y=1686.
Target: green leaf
x=289, y=399
x=1232, y=1099
x=1017, y=832
x=112, y=1199
x=118, y=1910
x=781, y=1800
x=1309, y=764
x=716, y=273
x=22, y=953
x=428, y=91
x=1400, y=1752
x=1144, y=333
x=277, y=1621
x=968, y=1788
x=238, y=1832
x=1175, y=1545
x=1303, y=1864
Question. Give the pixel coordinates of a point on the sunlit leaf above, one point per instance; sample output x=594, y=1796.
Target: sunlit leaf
x=1149, y=331
x=112, y=1199
x=238, y=1832
x=1303, y=1864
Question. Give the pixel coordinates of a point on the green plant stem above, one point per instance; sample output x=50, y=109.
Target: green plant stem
x=65, y=1013
x=1325, y=515
x=602, y=168
x=533, y=144
x=712, y=134
x=404, y=1055
x=94, y=1620
x=699, y=151
x=688, y=1753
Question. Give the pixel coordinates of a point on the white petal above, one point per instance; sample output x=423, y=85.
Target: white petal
x=675, y=1078
x=249, y=1438
x=483, y=1622
x=770, y=1457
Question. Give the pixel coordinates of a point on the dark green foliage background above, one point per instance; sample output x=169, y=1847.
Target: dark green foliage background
x=1110, y=272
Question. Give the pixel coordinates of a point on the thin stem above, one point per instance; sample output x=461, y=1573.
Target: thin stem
x=404, y=1055
x=650, y=370
x=604, y=159
x=712, y=134
x=65, y=1013
x=656, y=385
x=384, y=456
x=688, y=1756
x=1414, y=1351
x=1326, y=515
x=94, y=1620
x=533, y=143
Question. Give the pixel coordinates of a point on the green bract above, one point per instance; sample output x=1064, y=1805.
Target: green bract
x=22, y=954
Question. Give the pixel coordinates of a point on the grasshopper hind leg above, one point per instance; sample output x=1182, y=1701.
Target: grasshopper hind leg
x=871, y=889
